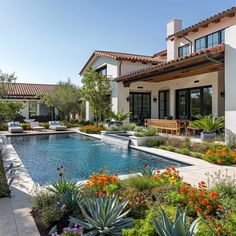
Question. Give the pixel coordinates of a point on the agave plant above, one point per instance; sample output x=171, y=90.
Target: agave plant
x=71, y=198
x=209, y=123
x=103, y=216
x=60, y=186
x=178, y=228
x=147, y=171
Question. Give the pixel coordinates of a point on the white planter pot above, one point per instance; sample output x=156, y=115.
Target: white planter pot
x=130, y=132
x=111, y=132
x=208, y=137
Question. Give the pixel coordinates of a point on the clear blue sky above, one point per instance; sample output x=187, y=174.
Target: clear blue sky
x=46, y=41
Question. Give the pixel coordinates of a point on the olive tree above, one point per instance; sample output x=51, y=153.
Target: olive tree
x=96, y=90
x=66, y=98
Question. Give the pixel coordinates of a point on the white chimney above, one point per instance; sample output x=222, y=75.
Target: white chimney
x=173, y=26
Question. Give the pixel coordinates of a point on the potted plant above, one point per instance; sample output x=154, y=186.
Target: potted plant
x=209, y=125
x=118, y=118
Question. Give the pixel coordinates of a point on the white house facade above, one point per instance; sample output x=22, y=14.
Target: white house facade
x=28, y=95
x=194, y=75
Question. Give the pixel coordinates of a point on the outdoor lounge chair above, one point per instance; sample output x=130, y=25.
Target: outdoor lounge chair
x=14, y=127
x=35, y=126
x=55, y=125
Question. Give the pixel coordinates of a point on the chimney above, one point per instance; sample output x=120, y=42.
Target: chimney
x=173, y=26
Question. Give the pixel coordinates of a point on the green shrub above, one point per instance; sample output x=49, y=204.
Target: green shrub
x=184, y=151
x=3, y=126
x=25, y=126
x=150, y=132
x=223, y=183
x=115, y=128
x=154, y=142
x=141, y=227
x=138, y=129
x=50, y=216
x=139, y=182
x=196, y=155
x=4, y=189
x=42, y=198
x=167, y=148
x=44, y=124
x=129, y=127
x=139, y=134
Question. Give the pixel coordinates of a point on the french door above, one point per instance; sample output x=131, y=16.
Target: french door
x=164, y=104
x=140, y=106
x=193, y=102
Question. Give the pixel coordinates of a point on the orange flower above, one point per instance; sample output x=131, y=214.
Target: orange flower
x=209, y=207
x=213, y=194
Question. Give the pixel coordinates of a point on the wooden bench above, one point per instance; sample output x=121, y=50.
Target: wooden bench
x=165, y=126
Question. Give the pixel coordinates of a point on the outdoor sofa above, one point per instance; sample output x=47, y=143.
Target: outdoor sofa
x=55, y=125
x=14, y=127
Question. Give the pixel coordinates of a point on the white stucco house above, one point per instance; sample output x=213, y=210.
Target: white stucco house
x=27, y=94
x=194, y=75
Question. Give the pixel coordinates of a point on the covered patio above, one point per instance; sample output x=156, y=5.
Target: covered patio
x=177, y=90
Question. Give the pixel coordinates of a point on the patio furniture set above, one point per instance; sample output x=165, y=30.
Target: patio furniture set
x=171, y=126
x=14, y=127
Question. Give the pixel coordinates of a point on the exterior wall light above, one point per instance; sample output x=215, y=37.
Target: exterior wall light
x=222, y=94
x=154, y=99
x=127, y=99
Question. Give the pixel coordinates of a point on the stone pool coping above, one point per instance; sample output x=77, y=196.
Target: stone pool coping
x=15, y=217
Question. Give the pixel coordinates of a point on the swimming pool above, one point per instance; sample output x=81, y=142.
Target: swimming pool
x=80, y=155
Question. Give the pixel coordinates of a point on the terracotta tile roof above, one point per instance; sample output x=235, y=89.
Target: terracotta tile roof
x=126, y=57
x=203, y=23
x=161, y=65
x=28, y=90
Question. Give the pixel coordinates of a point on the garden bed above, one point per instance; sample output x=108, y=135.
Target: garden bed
x=4, y=189
x=214, y=153
x=142, y=196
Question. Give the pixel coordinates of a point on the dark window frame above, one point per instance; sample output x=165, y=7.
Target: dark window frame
x=180, y=54
x=165, y=105
x=188, y=100
x=132, y=101
x=206, y=39
x=100, y=69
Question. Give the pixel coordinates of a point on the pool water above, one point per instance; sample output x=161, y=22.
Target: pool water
x=80, y=155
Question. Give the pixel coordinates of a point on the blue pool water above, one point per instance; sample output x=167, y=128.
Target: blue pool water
x=80, y=155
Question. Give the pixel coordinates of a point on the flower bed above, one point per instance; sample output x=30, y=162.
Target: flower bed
x=4, y=189
x=221, y=155
x=90, y=129
x=131, y=207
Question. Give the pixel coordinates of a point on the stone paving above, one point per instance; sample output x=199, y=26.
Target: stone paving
x=15, y=217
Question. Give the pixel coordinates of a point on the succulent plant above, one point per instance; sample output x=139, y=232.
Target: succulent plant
x=103, y=216
x=165, y=227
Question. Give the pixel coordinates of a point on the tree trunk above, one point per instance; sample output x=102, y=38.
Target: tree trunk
x=97, y=119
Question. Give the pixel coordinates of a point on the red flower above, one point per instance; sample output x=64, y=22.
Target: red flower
x=58, y=168
x=61, y=174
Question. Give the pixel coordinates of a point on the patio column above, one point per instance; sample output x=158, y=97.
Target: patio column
x=230, y=84
x=38, y=109
x=172, y=102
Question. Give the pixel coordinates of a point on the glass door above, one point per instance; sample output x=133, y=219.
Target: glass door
x=164, y=107
x=195, y=103
x=192, y=102
x=140, y=106
x=182, y=104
